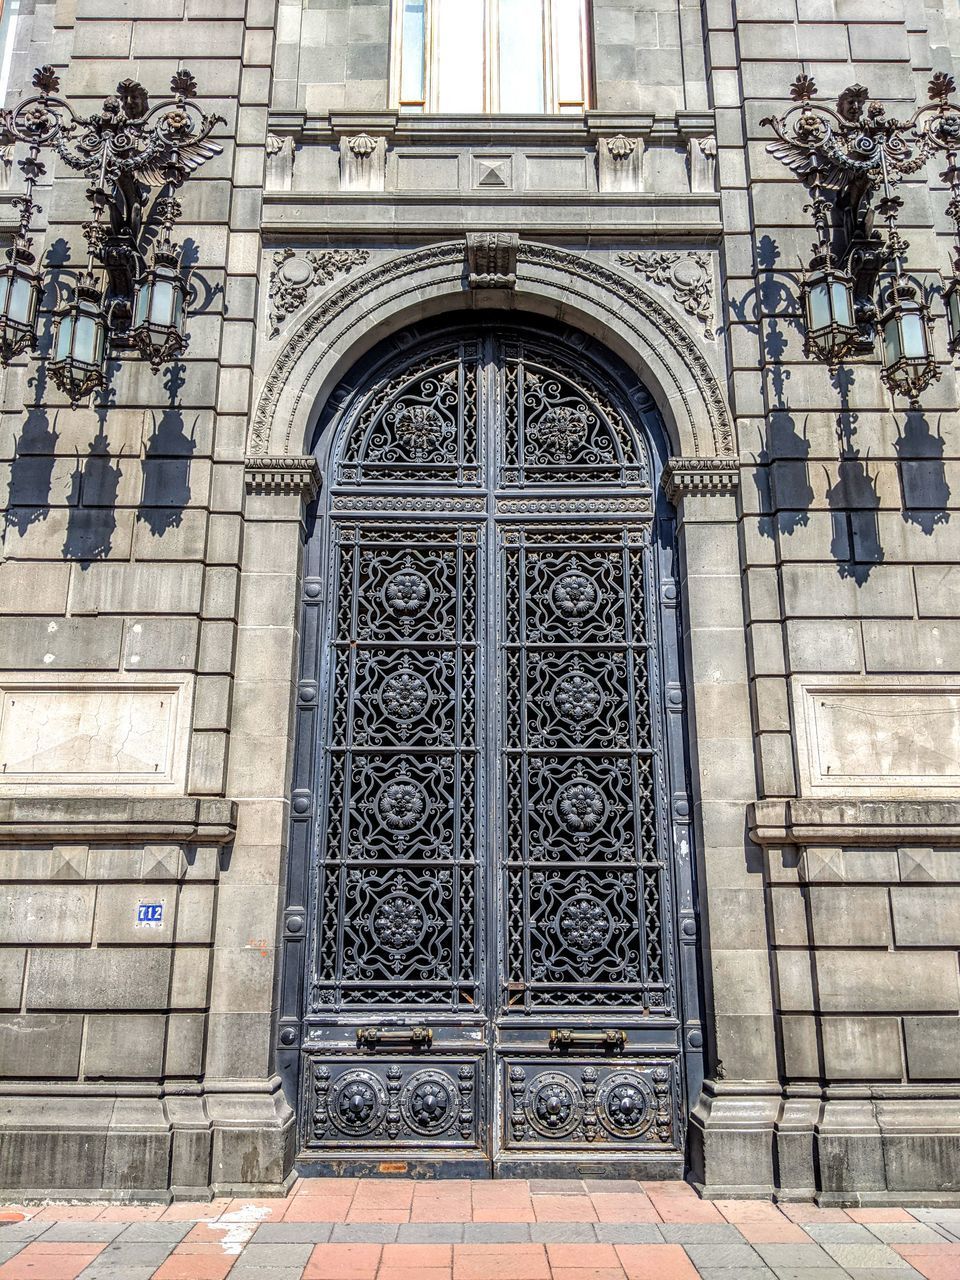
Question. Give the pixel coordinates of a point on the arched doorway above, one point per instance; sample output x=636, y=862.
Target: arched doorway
x=484, y=973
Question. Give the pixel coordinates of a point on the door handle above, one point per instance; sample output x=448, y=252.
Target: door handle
x=394, y=1037
x=612, y=1039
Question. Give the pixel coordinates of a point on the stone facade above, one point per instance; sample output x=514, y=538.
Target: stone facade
x=150, y=582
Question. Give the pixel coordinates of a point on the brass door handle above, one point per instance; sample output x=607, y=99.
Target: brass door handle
x=394, y=1037
x=612, y=1039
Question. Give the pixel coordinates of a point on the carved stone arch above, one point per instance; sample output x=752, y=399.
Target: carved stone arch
x=657, y=345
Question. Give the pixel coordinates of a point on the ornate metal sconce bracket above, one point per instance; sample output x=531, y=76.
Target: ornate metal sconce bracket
x=860, y=152
x=134, y=157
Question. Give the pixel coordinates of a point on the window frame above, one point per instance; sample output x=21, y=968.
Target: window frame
x=429, y=104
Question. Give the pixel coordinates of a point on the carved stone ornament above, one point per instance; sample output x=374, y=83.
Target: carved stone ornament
x=492, y=258
x=362, y=145
x=293, y=276
x=702, y=160
x=281, y=153
x=709, y=476
x=688, y=276
x=621, y=147
x=282, y=476
x=363, y=162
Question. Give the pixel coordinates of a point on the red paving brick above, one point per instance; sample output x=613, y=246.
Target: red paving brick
x=933, y=1261
x=655, y=1262
x=500, y=1262
x=612, y=1206
x=564, y=1209
x=343, y=1262
x=60, y=1262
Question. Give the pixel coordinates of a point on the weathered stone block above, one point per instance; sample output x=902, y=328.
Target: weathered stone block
x=40, y=1046
x=137, y=588
x=124, y=1046
x=104, y=978
x=61, y=644
x=12, y=960
x=846, y=916
x=912, y=646
x=195, y=913
x=185, y=1037
x=37, y=914
x=830, y=865
x=926, y=917
x=887, y=981
x=861, y=1048
x=922, y=864
x=801, y=1050
x=189, y=985
x=933, y=1047
x=118, y=910
x=824, y=645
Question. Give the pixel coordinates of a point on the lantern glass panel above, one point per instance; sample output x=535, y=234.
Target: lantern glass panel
x=141, y=303
x=913, y=335
x=85, y=342
x=953, y=311
x=161, y=304
x=818, y=306
x=841, y=299
x=64, y=337
x=892, y=351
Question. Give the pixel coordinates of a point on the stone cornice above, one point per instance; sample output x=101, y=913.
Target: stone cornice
x=701, y=476
x=107, y=820
x=855, y=822
x=280, y=477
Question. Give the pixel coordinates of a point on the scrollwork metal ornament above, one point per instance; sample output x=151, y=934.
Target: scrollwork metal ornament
x=859, y=151
x=134, y=157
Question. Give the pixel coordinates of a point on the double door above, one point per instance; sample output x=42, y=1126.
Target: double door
x=486, y=966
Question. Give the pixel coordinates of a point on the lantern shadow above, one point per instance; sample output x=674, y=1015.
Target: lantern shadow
x=166, y=461
x=923, y=474
x=853, y=499
x=94, y=485
x=781, y=473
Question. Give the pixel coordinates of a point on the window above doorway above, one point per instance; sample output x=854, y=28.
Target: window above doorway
x=470, y=57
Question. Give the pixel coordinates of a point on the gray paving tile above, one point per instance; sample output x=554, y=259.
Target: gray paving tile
x=736, y=1273
x=136, y=1255
x=863, y=1255
x=364, y=1233
x=102, y=1271
x=839, y=1233
x=556, y=1187
x=883, y=1273
x=810, y=1273
x=8, y=1251
x=275, y=1253
x=563, y=1232
x=85, y=1231
x=430, y=1233
x=949, y=1217
x=699, y=1232
x=293, y=1232
x=496, y=1232
x=241, y=1271
x=628, y=1232
x=619, y=1186
x=155, y=1232
x=28, y=1230
x=722, y=1253
x=906, y=1233
x=794, y=1255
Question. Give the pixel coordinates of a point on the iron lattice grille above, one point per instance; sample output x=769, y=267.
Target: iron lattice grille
x=584, y=884
x=400, y=863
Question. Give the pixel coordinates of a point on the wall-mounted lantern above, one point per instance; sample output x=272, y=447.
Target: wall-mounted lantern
x=134, y=157
x=858, y=152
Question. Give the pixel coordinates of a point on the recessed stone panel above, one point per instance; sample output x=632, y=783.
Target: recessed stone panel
x=78, y=734
x=878, y=736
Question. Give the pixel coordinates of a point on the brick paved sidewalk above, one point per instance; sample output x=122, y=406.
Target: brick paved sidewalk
x=347, y=1229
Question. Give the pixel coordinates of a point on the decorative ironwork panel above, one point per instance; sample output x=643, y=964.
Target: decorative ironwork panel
x=586, y=1104
x=362, y=1104
x=586, y=887
x=561, y=428
x=399, y=868
x=420, y=425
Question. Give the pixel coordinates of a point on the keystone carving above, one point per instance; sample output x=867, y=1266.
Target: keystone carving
x=293, y=277
x=688, y=276
x=492, y=259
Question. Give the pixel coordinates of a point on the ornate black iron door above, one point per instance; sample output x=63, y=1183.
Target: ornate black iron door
x=482, y=967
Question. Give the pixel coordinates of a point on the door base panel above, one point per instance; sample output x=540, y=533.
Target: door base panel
x=393, y=1164
x=648, y=1168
